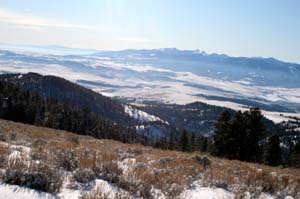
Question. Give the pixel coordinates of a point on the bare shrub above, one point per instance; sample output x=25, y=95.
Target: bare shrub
x=165, y=160
x=13, y=136
x=3, y=161
x=3, y=149
x=2, y=174
x=121, y=196
x=111, y=172
x=87, y=158
x=144, y=191
x=74, y=139
x=39, y=143
x=84, y=175
x=98, y=193
x=203, y=160
x=174, y=190
x=135, y=151
x=67, y=160
x=3, y=138
x=41, y=178
x=38, y=153
x=3, y=156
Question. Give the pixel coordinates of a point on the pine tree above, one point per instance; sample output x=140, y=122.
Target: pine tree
x=171, y=144
x=161, y=143
x=255, y=132
x=273, y=151
x=192, y=143
x=294, y=157
x=184, y=141
x=203, y=143
x=221, y=134
x=237, y=139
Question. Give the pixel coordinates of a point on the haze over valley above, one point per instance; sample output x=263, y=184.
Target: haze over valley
x=170, y=76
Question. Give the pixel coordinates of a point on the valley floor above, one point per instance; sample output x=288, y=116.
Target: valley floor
x=37, y=160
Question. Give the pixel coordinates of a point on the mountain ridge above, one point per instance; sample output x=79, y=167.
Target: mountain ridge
x=26, y=47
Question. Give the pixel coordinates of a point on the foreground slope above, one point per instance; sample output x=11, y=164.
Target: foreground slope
x=72, y=166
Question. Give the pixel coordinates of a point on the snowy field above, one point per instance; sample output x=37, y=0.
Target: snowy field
x=142, y=81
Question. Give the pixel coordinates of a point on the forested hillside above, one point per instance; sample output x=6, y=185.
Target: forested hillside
x=29, y=107
x=73, y=94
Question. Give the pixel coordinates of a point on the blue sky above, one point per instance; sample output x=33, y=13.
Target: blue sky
x=267, y=28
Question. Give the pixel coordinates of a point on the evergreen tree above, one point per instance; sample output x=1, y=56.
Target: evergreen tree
x=184, y=141
x=201, y=143
x=161, y=143
x=273, y=151
x=221, y=134
x=192, y=142
x=204, y=144
x=237, y=139
x=255, y=132
x=171, y=144
x=294, y=157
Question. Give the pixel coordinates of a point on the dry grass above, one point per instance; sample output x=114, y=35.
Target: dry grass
x=169, y=171
x=3, y=149
x=96, y=194
x=3, y=155
x=87, y=162
x=99, y=193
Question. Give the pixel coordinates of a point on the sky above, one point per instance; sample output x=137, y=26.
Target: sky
x=260, y=28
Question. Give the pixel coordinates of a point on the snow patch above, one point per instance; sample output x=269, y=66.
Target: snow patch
x=157, y=194
x=17, y=192
x=207, y=193
x=197, y=192
x=98, y=185
x=141, y=115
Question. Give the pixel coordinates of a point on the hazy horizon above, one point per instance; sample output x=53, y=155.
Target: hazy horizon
x=248, y=29
x=99, y=50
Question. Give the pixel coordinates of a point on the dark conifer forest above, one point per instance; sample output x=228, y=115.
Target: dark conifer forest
x=30, y=108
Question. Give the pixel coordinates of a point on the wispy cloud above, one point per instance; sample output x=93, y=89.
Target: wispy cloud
x=21, y=19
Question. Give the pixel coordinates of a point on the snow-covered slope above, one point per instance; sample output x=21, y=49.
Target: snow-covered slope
x=174, y=76
x=141, y=115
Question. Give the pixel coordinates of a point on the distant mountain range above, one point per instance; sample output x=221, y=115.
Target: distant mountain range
x=171, y=76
